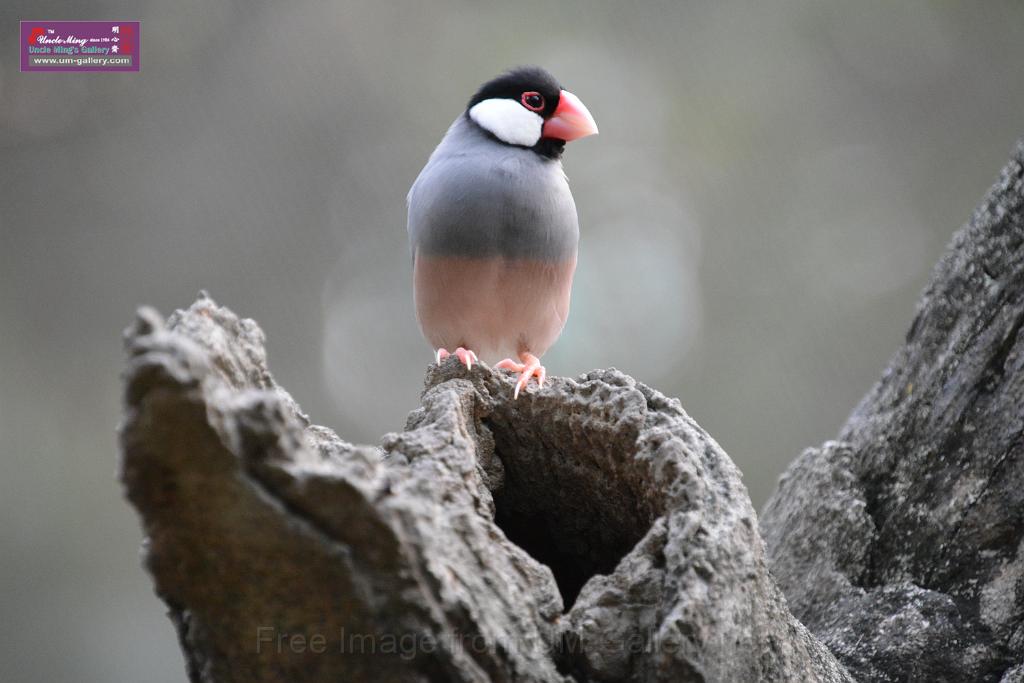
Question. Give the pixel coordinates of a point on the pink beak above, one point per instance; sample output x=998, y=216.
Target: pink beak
x=571, y=119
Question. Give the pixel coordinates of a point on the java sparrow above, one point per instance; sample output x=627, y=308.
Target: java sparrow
x=493, y=227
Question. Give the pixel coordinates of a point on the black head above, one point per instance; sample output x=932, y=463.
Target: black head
x=531, y=86
x=526, y=107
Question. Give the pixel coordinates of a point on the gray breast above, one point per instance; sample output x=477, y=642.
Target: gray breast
x=482, y=198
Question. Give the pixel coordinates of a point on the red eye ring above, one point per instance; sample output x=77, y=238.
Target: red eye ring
x=532, y=100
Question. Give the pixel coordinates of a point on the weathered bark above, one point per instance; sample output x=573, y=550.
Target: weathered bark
x=592, y=530
x=452, y=553
x=901, y=544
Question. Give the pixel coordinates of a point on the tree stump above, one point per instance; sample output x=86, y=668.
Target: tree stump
x=591, y=530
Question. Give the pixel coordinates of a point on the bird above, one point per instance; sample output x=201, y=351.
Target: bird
x=493, y=227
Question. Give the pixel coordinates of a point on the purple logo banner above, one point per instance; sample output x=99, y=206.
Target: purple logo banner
x=80, y=45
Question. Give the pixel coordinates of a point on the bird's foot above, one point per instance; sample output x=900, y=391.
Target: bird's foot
x=528, y=368
x=465, y=356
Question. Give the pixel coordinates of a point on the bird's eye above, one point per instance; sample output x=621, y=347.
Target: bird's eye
x=533, y=101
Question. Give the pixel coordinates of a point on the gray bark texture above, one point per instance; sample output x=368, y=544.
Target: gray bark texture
x=452, y=552
x=901, y=544
x=591, y=530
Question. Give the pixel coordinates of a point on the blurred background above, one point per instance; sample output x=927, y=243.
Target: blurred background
x=770, y=189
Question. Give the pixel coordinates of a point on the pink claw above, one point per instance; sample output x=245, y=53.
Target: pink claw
x=465, y=356
x=527, y=369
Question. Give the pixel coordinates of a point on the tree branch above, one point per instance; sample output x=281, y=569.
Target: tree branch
x=592, y=530
x=901, y=544
x=587, y=531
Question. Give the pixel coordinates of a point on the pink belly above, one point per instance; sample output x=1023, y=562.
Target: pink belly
x=495, y=307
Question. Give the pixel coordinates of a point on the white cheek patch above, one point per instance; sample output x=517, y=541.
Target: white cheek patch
x=508, y=121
